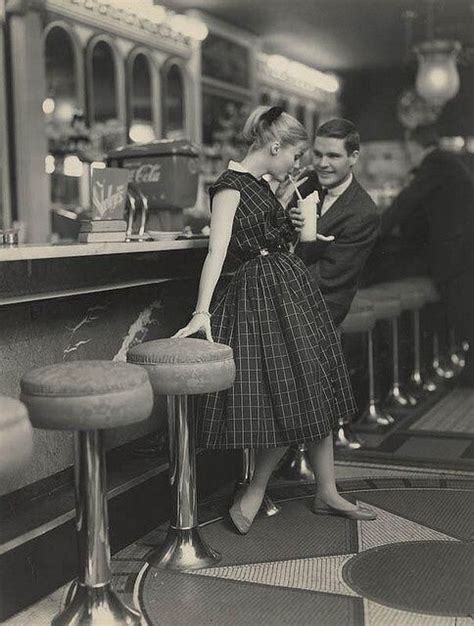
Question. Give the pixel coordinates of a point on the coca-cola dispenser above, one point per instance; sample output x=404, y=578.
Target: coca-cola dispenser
x=165, y=173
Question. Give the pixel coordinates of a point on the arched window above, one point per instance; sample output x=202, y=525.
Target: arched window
x=173, y=101
x=140, y=100
x=61, y=79
x=103, y=101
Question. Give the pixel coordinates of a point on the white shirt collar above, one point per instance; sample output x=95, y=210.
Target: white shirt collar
x=335, y=192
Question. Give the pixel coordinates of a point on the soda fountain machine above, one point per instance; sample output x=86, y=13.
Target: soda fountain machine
x=163, y=180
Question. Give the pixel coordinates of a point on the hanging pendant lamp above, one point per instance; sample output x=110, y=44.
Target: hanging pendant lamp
x=437, y=80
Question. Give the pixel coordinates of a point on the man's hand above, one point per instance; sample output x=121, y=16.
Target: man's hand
x=285, y=190
x=296, y=216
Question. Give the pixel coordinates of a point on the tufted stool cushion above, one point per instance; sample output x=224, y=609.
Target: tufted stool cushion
x=16, y=435
x=386, y=304
x=185, y=366
x=361, y=317
x=87, y=395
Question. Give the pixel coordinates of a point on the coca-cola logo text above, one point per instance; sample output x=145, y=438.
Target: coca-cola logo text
x=146, y=173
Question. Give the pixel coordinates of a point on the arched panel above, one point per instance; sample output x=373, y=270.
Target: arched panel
x=174, y=120
x=140, y=81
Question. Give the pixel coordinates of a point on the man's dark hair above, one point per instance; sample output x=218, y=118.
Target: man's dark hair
x=424, y=136
x=339, y=128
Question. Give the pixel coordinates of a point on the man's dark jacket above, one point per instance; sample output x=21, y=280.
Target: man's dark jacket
x=337, y=265
x=442, y=193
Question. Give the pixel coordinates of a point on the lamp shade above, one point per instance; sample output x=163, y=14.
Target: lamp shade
x=437, y=80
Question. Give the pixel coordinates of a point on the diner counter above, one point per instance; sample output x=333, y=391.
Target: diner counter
x=89, y=301
x=28, y=252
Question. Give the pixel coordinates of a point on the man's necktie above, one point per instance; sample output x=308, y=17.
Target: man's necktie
x=322, y=194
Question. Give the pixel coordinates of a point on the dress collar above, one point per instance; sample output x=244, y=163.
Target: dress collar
x=234, y=166
x=237, y=167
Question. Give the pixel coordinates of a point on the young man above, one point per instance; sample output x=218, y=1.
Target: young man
x=441, y=194
x=346, y=211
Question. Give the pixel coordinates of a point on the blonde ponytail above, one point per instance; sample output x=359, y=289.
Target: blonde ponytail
x=267, y=124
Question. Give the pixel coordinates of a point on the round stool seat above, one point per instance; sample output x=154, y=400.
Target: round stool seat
x=185, y=366
x=411, y=297
x=87, y=395
x=427, y=286
x=361, y=317
x=16, y=435
x=386, y=304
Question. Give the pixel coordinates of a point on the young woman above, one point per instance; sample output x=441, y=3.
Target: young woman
x=292, y=383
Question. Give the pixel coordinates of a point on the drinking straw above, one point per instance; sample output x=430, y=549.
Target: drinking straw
x=300, y=197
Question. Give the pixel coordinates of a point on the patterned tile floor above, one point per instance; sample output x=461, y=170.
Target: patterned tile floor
x=298, y=568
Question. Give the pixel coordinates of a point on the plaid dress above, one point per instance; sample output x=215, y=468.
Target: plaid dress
x=291, y=383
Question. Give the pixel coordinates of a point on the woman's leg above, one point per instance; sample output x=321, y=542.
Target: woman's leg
x=321, y=456
x=251, y=496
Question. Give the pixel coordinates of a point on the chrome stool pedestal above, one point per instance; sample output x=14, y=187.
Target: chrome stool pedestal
x=374, y=416
x=444, y=371
x=456, y=353
x=396, y=397
x=91, y=599
x=184, y=547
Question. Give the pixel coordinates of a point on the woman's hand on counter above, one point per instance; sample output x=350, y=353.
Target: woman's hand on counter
x=199, y=322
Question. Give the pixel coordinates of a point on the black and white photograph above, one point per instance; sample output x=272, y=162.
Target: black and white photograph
x=236, y=312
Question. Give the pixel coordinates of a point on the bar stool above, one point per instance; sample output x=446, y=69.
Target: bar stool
x=16, y=436
x=411, y=299
x=387, y=307
x=179, y=368
x=420, y=377
x=361, y=319
x=88, y=397
x=414, y=297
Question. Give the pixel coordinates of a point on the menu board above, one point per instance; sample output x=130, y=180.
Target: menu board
x=109, y=193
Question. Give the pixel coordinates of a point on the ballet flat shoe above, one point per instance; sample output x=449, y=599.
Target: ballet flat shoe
x=360, y=513
x=238, y=519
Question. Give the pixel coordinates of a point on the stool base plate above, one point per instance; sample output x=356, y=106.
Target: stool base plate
x=345, y=438
x=96, y=606
x=397, y=398
x=430, y=384
x=374, y=417
x=269, y=508
x=183, y=550
x=295, y=465
x=444, y=370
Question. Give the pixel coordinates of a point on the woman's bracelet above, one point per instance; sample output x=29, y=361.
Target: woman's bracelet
x=201, y=313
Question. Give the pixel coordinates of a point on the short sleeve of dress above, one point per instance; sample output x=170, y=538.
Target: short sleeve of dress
x=225, y=181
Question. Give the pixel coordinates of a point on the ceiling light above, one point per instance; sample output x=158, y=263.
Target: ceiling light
x=437, y=80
